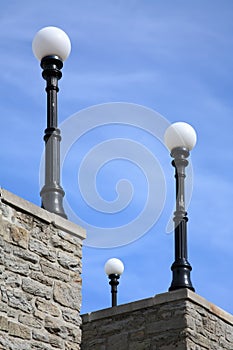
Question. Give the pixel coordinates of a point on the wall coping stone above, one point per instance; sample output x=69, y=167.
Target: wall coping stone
x=173, y=296
x=51, y=218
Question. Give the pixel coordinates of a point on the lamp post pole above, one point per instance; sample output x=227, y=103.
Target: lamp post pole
x=51, y=46
x=180, y=268
x=114, y=269
x=114, y=283
x=180, y=138
x=52, y=193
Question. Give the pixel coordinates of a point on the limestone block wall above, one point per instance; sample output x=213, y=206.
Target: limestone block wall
x=40, y=278
x=40, y=296
x=179, y=320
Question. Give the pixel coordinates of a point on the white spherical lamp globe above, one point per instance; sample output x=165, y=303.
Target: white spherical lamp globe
x=114, y=267
x=51, y=41
x=180, y=134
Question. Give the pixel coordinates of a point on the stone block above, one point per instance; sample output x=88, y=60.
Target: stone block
x=47, y=307
x=45, y=337
x=11, y=279
x=5, y=231
x=38, y=314
x=41, y=232
x=118, y=341
x=36, y=288
x=30, y=321
x=137, y=335
x=67, y=295
x=144, y=345
x=16, y=265
x=73, y=346
x=12, y=343
x=3, y=323
x=26, y=255
x=3, y=307
x=40, y=277
x=55, y=326
x=229, y=334
x=40, y=346
x=20, y=300
x=41, y=249
x=19, y=236
x=94, y=344
x=71, y=316
x=18, y=330
x=62, y=244
x=68, y=261
x=74, y=239
x=54, y=271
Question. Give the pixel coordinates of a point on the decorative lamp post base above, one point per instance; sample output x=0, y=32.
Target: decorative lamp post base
x=181, y=275
x=52, y=198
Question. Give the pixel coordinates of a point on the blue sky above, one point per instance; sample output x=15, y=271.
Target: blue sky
x=174, y=57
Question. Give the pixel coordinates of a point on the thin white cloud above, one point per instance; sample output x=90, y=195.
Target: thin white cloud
x=175, y=57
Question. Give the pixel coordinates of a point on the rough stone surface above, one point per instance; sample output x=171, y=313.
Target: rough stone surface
x=38, y=254
x=40, y=296
x=179, y=320
x=68, y=295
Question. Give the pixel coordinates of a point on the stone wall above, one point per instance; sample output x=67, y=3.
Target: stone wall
x=40, y=282
x=178, y=320
x=40, y=296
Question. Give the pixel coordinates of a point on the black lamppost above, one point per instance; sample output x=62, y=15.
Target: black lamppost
x=52, y=46
x=114, y=269
x=180, y=138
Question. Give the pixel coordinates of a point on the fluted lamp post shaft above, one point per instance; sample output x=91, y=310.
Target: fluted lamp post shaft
x=181, y=267
x=52, y=193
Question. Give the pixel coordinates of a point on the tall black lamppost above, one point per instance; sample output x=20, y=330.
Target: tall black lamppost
x=114, y=269
x=52, y=46
x=180, y=138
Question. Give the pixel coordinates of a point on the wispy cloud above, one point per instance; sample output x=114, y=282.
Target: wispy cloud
x=174, y=58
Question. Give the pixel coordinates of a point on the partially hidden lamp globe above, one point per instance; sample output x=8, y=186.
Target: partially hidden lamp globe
x=51, y=41
x=180, y=134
